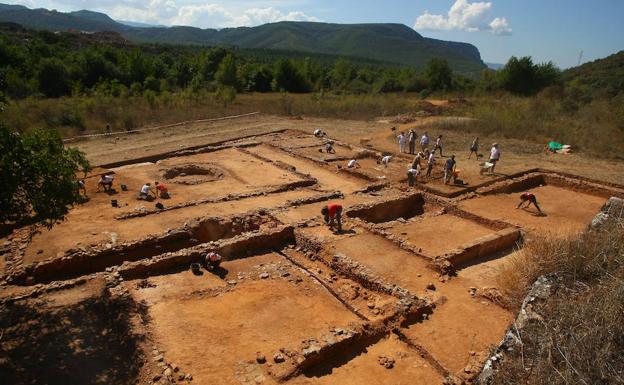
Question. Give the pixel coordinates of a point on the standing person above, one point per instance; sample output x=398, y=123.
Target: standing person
x=412, y=141
x=430, y=163
x=529, y=198
x=331, y=214
x=108, y=129
x=494, y=156
x=474, y=147
x=424, y=141
x=449, y=169
x=438, y=145
x=329, y=148
x=401, y=139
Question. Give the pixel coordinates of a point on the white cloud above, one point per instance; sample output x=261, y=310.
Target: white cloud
x=499, y=26
x=179, y=12
x=464, y=16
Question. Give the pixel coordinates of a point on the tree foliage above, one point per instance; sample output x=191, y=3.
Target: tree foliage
x=523, y=77
x=38, y=176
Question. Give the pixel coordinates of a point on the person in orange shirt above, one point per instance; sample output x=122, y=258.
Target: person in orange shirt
x=162, y=191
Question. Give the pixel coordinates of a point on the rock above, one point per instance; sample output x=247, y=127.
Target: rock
x=260, y=358
x=279, y=358
x=232, y=282
x=188, y=377
x=264, y=275
x=168, y=372
x=181, y=377
x=156, y=378
x=159, y=358
x=371, y=305
x=431, y=286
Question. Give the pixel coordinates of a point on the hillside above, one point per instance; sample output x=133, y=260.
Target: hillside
x=604, y=75
x=394, y=43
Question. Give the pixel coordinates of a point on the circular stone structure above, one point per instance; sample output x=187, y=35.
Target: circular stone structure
x=192, y=174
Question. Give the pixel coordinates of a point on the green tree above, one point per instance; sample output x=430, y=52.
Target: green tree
x=226, y=74
x=286, y=77
x=439, y=74
x=38, y=176
x=53, y=78
x=342, y=74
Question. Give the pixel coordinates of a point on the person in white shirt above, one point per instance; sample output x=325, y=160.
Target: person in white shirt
x=438, y=145
x=353, y=164
x=146, y=193
x=106, y=182
x=318, y=133
x=424, y=141
x=401, y=139
x=494, y=156
x=385, y=160
x=412, y=175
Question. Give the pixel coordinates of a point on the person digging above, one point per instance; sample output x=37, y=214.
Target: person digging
x=331, y=215
x=529, y=198
x=162, y=191
x=211, y=260
x=146, y=193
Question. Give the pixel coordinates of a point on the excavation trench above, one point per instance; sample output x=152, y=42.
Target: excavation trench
x=87, y=261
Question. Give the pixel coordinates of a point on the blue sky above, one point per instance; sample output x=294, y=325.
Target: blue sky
x=547, y=30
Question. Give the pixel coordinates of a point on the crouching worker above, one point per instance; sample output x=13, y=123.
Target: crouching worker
x=106, y=182
x=162, y=191
x=211, y=260
x=331, y=215
x=529, y=198
x=146, y=193
x=412, y=175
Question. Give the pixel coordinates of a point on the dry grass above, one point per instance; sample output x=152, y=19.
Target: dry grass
x=580, y=339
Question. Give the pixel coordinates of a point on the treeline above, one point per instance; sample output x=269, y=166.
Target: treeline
x=45, y=64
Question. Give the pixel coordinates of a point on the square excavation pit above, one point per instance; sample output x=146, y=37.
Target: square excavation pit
x=217, y=173
x=431, y=230
x=211, y=328
x=436, y=235
x=565, y=210
x=327, y=176
x=94, y=222
x=363, y=367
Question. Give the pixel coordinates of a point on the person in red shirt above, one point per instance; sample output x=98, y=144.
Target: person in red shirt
x=529, y=198
x=331, y=214
x=162, y=191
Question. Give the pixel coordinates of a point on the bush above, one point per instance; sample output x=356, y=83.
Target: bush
x=38, y=176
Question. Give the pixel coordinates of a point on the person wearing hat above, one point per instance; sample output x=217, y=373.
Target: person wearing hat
x=494, y=156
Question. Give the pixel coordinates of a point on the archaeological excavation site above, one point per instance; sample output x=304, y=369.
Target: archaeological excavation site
x=404, y=294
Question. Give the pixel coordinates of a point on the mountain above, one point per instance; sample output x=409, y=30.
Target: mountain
x=603, y=76
x=139, y=25
x=494, y=66
x=391, y=43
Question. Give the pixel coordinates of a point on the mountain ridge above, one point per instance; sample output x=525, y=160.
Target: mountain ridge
x=388, y=42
